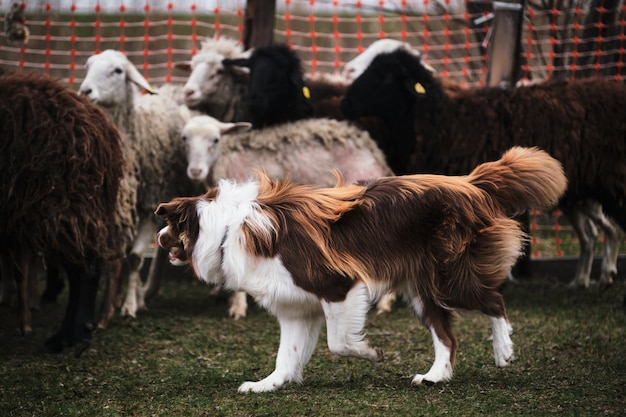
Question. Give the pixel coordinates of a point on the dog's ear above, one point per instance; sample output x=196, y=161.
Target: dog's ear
x=179, y=210
x=170, y=208
x=162, y=209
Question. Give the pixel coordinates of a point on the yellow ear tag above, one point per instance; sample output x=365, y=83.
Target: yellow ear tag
x=306, y=92
x=419, y=88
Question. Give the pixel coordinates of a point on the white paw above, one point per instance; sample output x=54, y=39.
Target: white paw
x=261, y=386
x=129, y=309
x=504, y=356
x=435, y=375
x=421, y=380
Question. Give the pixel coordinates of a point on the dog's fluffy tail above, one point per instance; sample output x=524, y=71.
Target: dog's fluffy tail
x=523, y=179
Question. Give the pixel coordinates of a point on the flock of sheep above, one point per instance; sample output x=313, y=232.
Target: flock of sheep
x=386, y=114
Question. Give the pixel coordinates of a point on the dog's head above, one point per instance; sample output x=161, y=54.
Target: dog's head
x=182, y=230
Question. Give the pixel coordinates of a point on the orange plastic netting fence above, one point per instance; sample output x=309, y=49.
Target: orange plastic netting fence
x=559, y=39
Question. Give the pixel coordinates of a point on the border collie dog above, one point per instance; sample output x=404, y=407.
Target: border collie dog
x=310, y=255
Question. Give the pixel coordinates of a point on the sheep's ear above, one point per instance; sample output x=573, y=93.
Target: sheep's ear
x=238, y=127
x=185, y=66
x=137, y=78
x=428, y=67
x=236, y=62
x=238, y=65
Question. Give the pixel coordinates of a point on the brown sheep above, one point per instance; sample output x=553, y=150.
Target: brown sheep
x=60, y=168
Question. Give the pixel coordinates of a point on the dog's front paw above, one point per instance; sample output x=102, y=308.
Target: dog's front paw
x=261, y=386
x=439, y=372
x=421, y=381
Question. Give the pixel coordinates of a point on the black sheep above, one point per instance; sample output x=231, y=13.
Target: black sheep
x=60, y=168
x=579, y=122
x=278, y=91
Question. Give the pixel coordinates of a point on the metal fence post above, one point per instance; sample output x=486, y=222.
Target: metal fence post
x=503, y=67
x=259, y=25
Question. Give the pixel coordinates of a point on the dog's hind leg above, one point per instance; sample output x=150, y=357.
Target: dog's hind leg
x=493, y=306
x=298, y=338
x=439, y=321
x=502, y=343
x=345, y=321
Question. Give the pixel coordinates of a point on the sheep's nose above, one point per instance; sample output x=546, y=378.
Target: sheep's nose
x=189, y=93
x=195, y=173
x=84, y=91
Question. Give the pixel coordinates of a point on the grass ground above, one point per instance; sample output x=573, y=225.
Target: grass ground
x=185, y=357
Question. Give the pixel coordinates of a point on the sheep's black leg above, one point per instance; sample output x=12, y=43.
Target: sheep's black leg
x=85, y=320
x=79, y=319
x=54, y=281
x=55, y=343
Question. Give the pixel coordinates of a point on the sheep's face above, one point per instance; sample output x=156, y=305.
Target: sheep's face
x=105, y=82
x=109, y=77
x=390, y=85
x=204, y=79
x=202, y=135
x=267, y=86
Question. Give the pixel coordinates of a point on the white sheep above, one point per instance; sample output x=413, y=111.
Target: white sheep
x=305, y=151
x=212, y=88
x=151, y=126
